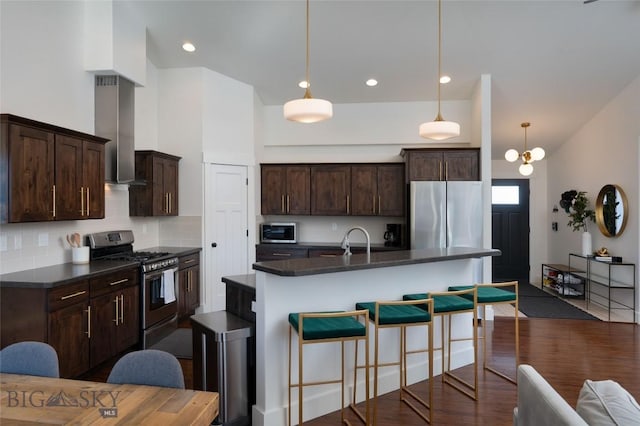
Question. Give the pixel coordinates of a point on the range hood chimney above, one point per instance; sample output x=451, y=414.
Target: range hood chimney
x=114, y=120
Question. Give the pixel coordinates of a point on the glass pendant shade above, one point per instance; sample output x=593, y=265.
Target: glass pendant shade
x=511, y=155
x=308, y=110
x=439, y=130
x=537, y=154
x=526, y=169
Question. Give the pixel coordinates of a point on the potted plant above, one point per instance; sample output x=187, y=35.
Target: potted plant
x=576, y=204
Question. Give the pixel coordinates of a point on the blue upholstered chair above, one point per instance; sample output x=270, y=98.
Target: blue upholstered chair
x=32, y=358
x=148, y=367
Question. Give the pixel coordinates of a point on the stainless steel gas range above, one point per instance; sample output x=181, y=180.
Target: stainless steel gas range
x=158, y=279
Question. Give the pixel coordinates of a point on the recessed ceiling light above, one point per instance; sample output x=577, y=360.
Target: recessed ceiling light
x=445, y=79
x=303, y=84
x=372, y=82
x=188, y=47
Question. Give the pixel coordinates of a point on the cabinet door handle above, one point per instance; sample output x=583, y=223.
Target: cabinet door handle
x=282, y=203
x=347, y=204
x=87, y=203
x=88, y=332
x=121, y=309
x=379, y=204
x=446, y=170
x=328, y=255
x=288, y=205
x=170, y=209
x=53, y=191
x=82, y=201
x=69, y=296
x=166, y=202
x=440, y=170
x=373, y=200
x=281, y=254
x=189, y=261
x=116, y=303
x=190, y=279
x=119, y=282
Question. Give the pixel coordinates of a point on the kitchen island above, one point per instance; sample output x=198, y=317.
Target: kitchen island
x=325, y=284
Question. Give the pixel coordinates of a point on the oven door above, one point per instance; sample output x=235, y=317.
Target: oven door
x=160, y=296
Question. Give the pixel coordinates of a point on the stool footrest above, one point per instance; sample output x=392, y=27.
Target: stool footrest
x=498, y=373
x=460, y=384
x=412, y=406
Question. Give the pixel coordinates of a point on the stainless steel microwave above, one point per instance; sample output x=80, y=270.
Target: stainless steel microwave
x=279, y=232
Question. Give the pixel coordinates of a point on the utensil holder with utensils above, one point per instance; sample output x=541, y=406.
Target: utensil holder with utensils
x=79, y=255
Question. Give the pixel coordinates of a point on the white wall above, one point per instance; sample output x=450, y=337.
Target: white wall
x=42, y=77
x=42, y=61
x=387, y=123
x=604, y=151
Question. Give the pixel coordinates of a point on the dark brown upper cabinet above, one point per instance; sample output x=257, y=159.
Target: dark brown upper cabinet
x=331, y=190
x=285, y=189
x=377, y=190
x=48, y=172
x=159, y=195
x=442, y=164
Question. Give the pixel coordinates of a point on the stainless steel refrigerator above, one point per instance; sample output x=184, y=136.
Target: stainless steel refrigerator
x=446, y=214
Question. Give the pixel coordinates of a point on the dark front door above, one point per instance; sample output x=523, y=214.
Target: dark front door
x=510, y=229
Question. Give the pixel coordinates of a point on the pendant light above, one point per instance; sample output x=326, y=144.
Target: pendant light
x=308, y=109
x=528, y=157
x=439, y=129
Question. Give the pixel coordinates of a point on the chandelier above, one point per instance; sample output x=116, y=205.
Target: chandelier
x=528, y=157
x=308, y=109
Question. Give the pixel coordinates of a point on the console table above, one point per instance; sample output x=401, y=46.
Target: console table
x=608, y=284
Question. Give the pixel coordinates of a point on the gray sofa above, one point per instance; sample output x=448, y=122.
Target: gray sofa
x=600, y=403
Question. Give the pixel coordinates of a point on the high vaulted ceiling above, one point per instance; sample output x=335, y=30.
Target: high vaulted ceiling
x=553, y=63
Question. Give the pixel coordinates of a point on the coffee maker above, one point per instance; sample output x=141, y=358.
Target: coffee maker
x=393, y=235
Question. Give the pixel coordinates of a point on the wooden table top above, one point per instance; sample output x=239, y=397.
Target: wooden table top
x=33, y=399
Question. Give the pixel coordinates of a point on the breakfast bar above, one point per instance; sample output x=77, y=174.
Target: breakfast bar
x=338, y=283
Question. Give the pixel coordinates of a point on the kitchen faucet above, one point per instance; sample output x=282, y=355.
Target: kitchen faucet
x=345, y=241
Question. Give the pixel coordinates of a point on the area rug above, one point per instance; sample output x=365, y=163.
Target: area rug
x=537, y=303
x=177, y=343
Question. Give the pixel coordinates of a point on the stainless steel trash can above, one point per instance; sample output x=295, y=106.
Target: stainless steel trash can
x=220, y=363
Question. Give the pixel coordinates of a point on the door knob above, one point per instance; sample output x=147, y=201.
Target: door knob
x=214, y=245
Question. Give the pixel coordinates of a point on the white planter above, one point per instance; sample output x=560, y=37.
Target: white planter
x=587, y=249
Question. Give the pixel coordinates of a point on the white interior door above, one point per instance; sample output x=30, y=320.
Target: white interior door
x=226, y=239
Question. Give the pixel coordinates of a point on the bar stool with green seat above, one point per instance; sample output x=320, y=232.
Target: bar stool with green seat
x=327, y=327
x=402, y=314
x=449, y=303
x=493, y=294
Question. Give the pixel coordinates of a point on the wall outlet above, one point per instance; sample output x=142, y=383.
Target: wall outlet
x=43, y=239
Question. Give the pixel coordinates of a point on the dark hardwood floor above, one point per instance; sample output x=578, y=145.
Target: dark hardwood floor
x=565, y=352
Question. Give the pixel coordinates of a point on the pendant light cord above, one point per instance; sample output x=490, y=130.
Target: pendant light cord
x=439, y=117
x=307, y=92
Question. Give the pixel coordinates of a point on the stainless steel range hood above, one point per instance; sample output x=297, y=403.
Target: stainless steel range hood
x=114, y=120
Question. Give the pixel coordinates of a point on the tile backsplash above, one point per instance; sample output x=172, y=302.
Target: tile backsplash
x=37, y=244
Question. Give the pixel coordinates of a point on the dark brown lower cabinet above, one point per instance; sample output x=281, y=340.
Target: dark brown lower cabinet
x=114, y=323
x=68, y=334
x=86, y=321
x=188, y=285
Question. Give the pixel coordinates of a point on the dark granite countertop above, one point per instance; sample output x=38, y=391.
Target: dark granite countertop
x=65, y=273
x=178, y=251
x=246, y=280
x=324, y=265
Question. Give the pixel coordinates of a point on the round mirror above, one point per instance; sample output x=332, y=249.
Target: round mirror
x=611, y=210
